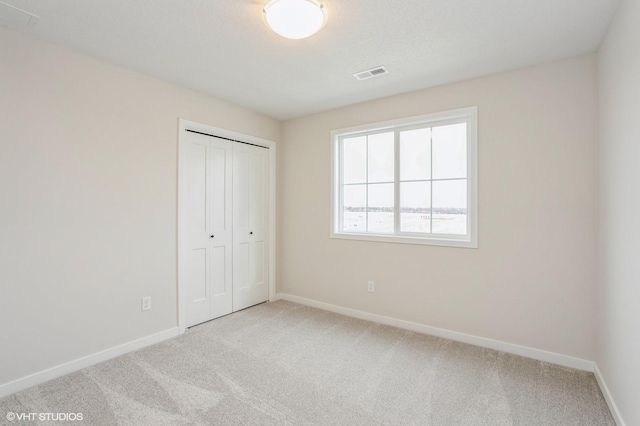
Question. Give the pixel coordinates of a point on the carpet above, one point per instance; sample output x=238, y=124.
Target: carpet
x=283, y=363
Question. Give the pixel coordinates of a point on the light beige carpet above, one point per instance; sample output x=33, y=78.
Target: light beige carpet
x=286, y=364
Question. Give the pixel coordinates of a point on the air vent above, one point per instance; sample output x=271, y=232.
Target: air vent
x=15, y=18
x=373, y=72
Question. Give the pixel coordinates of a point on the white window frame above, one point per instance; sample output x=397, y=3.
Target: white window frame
x=467, y=115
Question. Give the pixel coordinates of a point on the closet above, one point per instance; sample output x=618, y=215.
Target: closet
x=224, y=225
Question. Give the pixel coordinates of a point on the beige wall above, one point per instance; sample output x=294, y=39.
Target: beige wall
x=88, y=183
x=532, y=280
x=618, y=342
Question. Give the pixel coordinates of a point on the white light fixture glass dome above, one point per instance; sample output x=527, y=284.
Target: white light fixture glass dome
x=295, y=19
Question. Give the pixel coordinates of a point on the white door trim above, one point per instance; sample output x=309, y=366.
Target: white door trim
x=184, y=125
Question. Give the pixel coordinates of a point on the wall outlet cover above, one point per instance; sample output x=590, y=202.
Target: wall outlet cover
x=146, y=303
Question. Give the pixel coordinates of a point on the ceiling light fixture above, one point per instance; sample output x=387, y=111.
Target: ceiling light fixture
x=295, y=19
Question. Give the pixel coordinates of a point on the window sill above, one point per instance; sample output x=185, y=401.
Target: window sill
x=443, y=242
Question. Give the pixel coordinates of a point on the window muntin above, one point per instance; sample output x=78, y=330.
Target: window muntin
x=409, y=181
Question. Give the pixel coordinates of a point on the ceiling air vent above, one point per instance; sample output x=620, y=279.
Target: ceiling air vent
x=373, y=72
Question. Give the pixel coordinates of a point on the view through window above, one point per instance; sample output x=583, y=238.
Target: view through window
x=415, y=179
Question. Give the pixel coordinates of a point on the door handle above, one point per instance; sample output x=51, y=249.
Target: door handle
x=212, y=236
x=251, y=233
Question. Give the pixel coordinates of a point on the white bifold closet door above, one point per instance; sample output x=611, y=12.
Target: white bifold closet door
x=226, y=227
x=250, y=182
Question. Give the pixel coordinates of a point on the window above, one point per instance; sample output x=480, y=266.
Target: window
x=412, y=180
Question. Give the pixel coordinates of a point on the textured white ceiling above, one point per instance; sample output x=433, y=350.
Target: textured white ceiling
x=222, y=47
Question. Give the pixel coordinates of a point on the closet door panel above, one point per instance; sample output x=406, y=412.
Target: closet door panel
x=250, y=181
x=241, y=243
x=220, y=227
x=258, y=218
x=197, y=256
x=208, y=220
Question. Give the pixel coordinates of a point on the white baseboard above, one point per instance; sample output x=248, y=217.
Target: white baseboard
x=608, y=397
x=80, y=363
x=540, y=355
x=274, y=297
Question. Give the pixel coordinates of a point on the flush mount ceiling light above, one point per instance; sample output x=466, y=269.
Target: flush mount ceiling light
x=295, y=19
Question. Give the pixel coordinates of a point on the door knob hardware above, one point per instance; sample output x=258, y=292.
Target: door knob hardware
x=212, y=236
x=251, y=233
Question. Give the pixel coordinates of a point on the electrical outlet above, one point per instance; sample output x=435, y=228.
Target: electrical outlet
x=146, y=303
x=370, y=287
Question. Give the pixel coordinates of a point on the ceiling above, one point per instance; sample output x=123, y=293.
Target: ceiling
x=222, y=47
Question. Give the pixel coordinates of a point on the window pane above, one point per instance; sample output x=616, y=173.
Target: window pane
x=450, y=207
x=355, y=159
x=354, y=208
x=381, y=164
x=381, y=208
x=415, y=154
x=450, y=151
x=415, y=206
